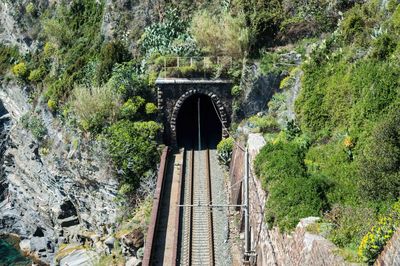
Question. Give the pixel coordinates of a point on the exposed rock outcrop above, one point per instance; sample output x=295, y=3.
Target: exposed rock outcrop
x=49, y=196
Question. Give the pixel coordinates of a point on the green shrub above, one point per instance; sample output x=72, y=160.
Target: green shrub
x=95, y=107
x=380, y=159
x=395, y=21
x=20, y=70
x=73, y=37
x=151, y=108
x=35, y=125
x=222, y=34
x=168, y=37
x=353, y=24
x=52, y=105
x=384, y=46
x=326, y=159
x=37, y=75
x=224, y=150
x=30, y=9
x=110, y=54
x=236, y=91
x=8, y=56
x=279, y=161
x=126, y=79
x=291, y=199
x=264, y=124
x=133, y=148
x=49, y=49
x=350, y=223
x=130, y=109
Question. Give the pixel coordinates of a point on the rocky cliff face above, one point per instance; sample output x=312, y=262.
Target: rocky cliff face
x=59, y=190
x=55, y=194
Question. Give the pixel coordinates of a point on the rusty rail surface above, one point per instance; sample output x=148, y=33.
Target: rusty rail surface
x=210, y=217
x=179, y=209
x=156, y=208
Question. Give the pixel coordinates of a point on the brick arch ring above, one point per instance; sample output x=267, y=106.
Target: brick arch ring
x=214, y=98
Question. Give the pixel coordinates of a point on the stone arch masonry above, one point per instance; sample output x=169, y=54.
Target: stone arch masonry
x=172, y=93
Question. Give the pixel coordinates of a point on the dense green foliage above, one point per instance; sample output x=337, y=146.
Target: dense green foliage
x=8, y=56
x=224, y=150
x=73, y=34
x=349, y=108
x=169, y=36
x=132, y=146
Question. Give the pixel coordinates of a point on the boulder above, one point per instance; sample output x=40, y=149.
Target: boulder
x=133, y=261
x=110, y=241
x=38, y=244
x=134, y=239
x=79, y=257
x=25, y=246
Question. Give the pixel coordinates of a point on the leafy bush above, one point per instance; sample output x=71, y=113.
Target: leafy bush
x=133, y=148
x=350, y=223
x=73, y=36
x=130, y=109
x=395, y=20
x=280, y=161
x=168, y=36
x=293, y=198
x=353, y=24
x=127, y=80
x=384, y=46
x=264, y=124
x=35, y=125
x=20, y=70
x=236, y=91
x=52, y=105
x=37, y=75
x=151, y=108
x=8, y=56
x=380, y=160
x=224, y=150
x=110, y=54
x=95, y=107
x=226, y=35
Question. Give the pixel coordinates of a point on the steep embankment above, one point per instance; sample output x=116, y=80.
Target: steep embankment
x=340, y=158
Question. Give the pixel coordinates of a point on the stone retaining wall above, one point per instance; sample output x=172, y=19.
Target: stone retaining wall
x=391, y=254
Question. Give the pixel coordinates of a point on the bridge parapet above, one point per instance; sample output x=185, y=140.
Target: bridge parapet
x=208, y=67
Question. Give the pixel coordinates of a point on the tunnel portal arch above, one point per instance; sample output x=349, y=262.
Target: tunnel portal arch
x=172, y=93
x=220, y=109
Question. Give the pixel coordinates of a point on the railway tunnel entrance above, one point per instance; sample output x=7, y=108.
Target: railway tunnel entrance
x=198, y=123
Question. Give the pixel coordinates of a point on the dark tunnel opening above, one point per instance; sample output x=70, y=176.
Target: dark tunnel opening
x=188, y=123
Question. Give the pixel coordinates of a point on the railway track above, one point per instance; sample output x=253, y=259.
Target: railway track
x=197, y=226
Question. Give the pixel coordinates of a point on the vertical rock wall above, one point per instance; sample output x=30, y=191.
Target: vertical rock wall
x=61, y=190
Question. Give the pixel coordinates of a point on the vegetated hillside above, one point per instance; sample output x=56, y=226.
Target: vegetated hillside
x=95, y=71
x=93, y=65
x=341, y=158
